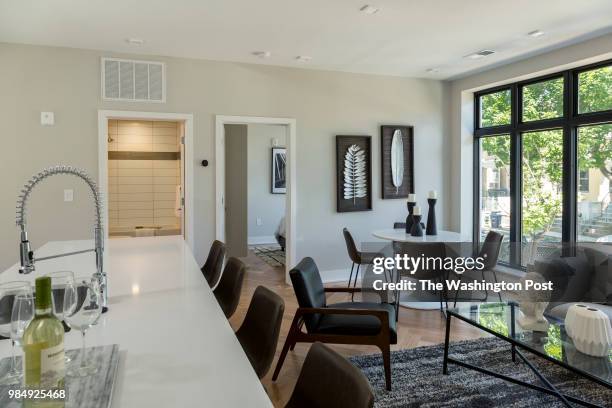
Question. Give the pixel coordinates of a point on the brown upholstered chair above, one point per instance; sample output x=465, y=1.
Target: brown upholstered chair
x=357, y=257
x=259, y=331
x=328, y=380
x=340, y=323
x=228, y=290
x=214, y=263
x=489, y=251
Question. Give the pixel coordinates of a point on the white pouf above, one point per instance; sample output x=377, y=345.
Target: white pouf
x=590, y=330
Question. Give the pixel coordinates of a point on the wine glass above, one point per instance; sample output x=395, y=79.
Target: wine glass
x=23, y=313
x=8, y=293
x=82, y=307
x=61, y=282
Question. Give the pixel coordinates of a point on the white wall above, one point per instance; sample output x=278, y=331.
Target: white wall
x=262, y=204
x=324, y=104
x=462, y=113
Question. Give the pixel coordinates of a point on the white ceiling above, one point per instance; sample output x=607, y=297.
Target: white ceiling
x=405, y=38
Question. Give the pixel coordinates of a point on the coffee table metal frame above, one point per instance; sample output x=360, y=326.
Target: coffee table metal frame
x=549, y=388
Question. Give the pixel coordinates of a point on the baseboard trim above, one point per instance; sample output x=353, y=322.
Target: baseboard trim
x=262, y=240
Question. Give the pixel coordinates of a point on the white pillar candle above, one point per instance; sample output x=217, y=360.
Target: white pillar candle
x=411, y=198
x=416, y=211
x=433, y=194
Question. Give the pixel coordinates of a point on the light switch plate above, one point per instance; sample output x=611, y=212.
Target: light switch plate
x=259, y=222
x=68, y=195
x=47, y=118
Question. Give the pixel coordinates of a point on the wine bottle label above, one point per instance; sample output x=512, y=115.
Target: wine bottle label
x=52, y=366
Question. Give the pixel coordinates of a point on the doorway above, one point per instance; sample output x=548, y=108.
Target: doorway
x=268, y=225
x=145, y=178
x=146, y=174
x=255, y=181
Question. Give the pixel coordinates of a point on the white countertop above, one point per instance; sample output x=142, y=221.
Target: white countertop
x=177, y=347
x=400, y=235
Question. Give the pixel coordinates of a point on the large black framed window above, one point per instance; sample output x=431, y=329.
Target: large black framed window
x=543, y=162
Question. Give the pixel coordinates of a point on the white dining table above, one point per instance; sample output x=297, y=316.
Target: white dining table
x=400, y=235
x=417, y=299
x=176, y=347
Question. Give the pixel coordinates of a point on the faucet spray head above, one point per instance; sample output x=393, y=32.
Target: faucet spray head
x=26, y=255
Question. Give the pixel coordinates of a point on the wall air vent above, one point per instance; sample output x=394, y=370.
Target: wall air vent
x=135, y=81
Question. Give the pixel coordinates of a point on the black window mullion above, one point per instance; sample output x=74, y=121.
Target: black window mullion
x=569, y=220
x=544, y=124
x=515, y=177
x=476, y=197
x=516, y=184
x=493, y=131
x=570, y=174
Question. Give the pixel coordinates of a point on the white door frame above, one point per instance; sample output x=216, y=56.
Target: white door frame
x=187, y=118
x=291, y=200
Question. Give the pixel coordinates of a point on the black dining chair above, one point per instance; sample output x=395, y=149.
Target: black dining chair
x=433, y=271
x=328, y=380
x=214, y=263
x=357, y=257
x=228, y=290
x=259, y=331
x=339, y=323
x=489, y=252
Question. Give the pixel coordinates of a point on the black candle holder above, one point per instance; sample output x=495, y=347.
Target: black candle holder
x=431, y=218
x=409, y=221
x=416, y=230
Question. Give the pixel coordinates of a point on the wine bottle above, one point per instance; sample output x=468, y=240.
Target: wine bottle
x=43, y=345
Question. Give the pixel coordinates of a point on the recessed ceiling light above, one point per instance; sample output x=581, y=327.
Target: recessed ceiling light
x=367, y=9
x=262, y=54
x=432, y=70
x=535, y=33
x=303, y=58
x=479, y=54
x=135, y=41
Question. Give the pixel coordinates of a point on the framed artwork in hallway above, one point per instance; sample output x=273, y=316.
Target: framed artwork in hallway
x=279, y=172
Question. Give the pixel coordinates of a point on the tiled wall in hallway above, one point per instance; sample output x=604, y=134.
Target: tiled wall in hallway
x=143, y=192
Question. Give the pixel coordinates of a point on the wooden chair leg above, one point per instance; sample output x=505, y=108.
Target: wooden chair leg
x=290, y=341
x=294, y=342
x=386, y=355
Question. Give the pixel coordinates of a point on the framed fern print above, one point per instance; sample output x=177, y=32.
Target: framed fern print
x=353, y=173
x=397, y=161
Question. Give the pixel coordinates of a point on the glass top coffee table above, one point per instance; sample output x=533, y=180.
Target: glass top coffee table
x=499, y=319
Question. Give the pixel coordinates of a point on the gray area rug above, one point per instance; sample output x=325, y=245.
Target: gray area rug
x=418, y=380
x=270, y=254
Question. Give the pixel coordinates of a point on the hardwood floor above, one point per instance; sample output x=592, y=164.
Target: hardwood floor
x=416, y=328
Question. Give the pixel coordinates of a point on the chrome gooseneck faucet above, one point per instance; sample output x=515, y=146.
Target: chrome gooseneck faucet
x=27, y=258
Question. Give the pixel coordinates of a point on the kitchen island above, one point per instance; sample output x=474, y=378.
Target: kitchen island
x=177, y=349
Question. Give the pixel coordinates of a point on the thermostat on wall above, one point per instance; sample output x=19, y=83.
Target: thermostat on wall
x=47, y=118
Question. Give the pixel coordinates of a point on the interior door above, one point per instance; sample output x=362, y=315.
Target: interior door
x=236, y=162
